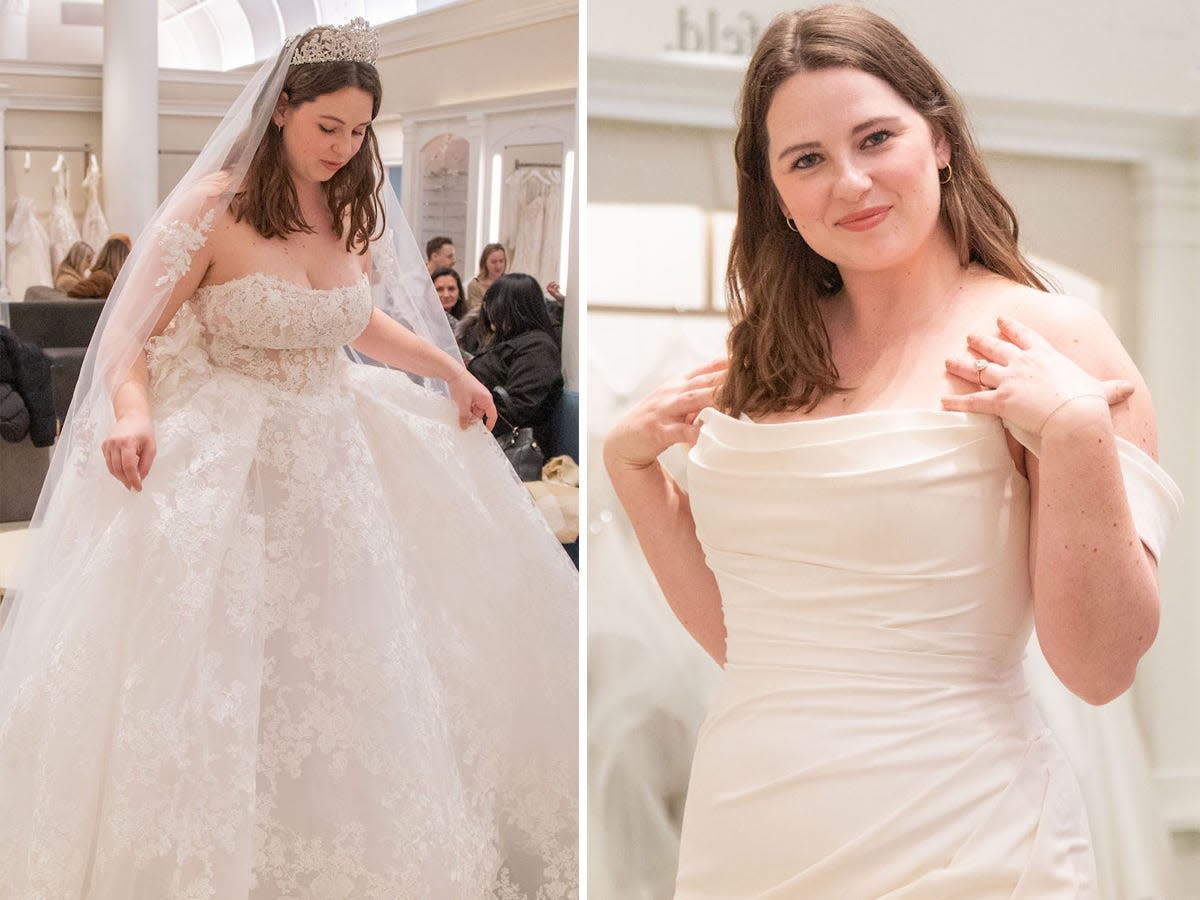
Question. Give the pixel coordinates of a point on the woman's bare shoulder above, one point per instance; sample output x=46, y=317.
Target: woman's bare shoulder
x=1073, y=326
x=1080, y=332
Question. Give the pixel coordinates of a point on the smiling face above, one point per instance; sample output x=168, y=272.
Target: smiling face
x=855, y=166
x=447, y=290
x=321, y=136
x=497, y=264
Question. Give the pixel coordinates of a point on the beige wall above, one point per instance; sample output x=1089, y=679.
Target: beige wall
x=632, y=162
x=539, y=57
x=1081, y=214
x=46, y=128
x=71, y=128
x=1122, y=54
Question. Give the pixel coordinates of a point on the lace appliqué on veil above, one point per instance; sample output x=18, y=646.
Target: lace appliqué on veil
x=178, y=240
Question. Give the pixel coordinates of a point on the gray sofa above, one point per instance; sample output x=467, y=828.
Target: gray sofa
x=62, y=326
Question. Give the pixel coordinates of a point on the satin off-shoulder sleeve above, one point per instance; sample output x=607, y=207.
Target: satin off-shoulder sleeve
x=1154, y=499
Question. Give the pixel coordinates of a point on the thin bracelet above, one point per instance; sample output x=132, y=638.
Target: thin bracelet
x=1042, y=427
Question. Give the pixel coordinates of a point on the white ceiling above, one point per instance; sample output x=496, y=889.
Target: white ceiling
x=227, y=34
x=213, y=35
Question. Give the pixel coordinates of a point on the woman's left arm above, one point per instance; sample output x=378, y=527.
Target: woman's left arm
x=1063, y=376
x=389, y=342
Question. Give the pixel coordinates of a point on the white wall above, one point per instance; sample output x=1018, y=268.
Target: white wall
x=1122, y=55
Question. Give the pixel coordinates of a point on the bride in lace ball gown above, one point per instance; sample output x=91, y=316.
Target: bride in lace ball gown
x=914, y=453
x=288, y=627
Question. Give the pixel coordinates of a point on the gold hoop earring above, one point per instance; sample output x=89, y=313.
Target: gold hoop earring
x=791, y=223
x=949, y=175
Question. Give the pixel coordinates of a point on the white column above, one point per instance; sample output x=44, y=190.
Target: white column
x=479, y=192
x=14, y=29
x=4, y=297
x=1168, y=201
x=410, y=136
x=573, y=289
x=129, y=127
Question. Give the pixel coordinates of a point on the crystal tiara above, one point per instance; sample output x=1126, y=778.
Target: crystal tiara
x=332, y=43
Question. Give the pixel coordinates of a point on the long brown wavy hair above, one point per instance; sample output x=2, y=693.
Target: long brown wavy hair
x=779, y=348
x=268, y=198
x=112, y=255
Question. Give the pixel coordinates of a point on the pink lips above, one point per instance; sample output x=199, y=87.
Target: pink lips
x=864, y=219
x=332, y=166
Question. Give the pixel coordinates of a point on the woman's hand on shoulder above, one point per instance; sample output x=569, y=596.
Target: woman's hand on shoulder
x=129, y=449
x=665, y=417
x=473, y=400
x=1059, y=360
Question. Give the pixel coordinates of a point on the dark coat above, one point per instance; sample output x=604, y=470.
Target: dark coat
x=529, y=368
x=27, y=369
x=14, y=417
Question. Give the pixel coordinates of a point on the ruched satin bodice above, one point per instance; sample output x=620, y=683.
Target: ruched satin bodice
x=882, y=542
x=274, y=329
x=873, y=735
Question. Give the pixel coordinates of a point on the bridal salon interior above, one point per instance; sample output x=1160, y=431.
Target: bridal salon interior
x=1100, y=158
x=105, y=106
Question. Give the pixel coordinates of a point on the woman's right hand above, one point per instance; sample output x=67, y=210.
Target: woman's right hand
x=129, y=449
x=665, y=417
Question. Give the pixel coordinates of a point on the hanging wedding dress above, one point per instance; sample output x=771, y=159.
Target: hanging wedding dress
x=95, y=226
x=329, y=650
x=532, y=222
x=28, y=250
x=63, y=230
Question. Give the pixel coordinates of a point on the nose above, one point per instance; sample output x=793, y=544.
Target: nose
x=342, y=147
x=852, y=180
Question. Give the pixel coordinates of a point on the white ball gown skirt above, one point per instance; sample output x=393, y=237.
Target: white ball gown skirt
x=328, y=652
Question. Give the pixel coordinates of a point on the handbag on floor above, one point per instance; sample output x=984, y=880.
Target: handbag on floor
x=522, y=450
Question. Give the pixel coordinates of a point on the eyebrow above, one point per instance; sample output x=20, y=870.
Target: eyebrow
x=339, y=121
x=857, y=129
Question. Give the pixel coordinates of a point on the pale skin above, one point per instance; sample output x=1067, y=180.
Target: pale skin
x=906, y=332
x=495, y=265
x=329, y=129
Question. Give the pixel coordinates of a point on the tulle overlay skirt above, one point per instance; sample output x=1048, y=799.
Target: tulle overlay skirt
x=328, y=652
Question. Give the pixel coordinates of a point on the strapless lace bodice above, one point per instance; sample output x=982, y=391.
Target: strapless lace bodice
x=285, y=333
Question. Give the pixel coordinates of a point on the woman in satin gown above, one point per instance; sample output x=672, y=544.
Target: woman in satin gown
x=249, y=658
x=913, y=454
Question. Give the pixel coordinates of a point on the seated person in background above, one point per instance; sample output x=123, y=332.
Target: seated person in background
x=554, y=307
x=439, y=254
x=450, y=291
x=470, y=334
x=493, y=262
x=522, y=356
x=74, y=266
x=104, y=270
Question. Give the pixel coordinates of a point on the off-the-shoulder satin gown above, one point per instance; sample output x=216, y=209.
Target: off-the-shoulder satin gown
x=873, y=736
